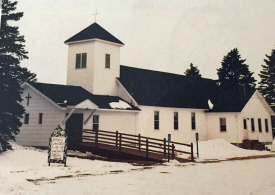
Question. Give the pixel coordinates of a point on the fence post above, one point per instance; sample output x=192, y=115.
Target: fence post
x=96, y=138
x=192, y=156
x=173, y=151
x=120, y=141
x=116, y=138
x=164, y=145
x=147, y=147
x=139, y=142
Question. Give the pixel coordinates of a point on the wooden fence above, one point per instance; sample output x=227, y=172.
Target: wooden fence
x=136, y=142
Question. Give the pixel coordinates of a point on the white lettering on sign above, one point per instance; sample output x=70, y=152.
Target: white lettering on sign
x=57, y=148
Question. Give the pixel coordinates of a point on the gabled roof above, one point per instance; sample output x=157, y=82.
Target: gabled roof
x=66, y=95
x=231, y=100
x=94, y=31
x=154, y=88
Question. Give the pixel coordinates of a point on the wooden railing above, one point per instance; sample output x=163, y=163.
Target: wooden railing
x=136, y=142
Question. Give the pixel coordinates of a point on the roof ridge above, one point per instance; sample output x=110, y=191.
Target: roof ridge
x=158, y=71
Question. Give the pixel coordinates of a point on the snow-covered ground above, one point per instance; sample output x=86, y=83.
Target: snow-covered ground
x=219, y=149
x=25, y=171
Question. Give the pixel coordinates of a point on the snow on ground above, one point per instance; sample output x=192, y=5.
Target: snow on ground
x=219, y=149
x=25, y=171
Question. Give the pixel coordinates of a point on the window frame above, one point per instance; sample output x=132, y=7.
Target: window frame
x=156, y=120
x=82, y=61
x=260, y=125
x=176, y=121
x=244, y=124
x=266, y=125
x=95, y=123
x=252, y=125
x=26, y=118
x=108, y=61
x=193, y=120
x=223, y=124
x=40, y=118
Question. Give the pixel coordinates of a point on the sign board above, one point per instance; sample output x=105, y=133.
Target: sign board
x=197, y=136
x=169, y=138
x=58, y=146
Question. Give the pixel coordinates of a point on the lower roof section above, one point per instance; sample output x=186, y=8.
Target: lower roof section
x=68, y=96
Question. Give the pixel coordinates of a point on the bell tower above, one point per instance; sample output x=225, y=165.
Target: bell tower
x=94, y=60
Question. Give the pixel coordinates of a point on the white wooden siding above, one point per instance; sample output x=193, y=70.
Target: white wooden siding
x=34, y=134
x=184, y=133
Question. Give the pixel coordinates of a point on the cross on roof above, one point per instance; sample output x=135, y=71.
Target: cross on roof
x=95, y=14
x=28, y=97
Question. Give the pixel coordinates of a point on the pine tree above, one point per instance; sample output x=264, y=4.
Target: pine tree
x=234, y=73
x=12, y=52
x=267, y=83
x=193, y=71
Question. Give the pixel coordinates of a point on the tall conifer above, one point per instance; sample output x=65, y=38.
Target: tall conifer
x=234, y=73
x=267, y=83
x=193, y=71
x=12, y=75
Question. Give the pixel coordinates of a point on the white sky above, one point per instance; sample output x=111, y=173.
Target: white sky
x=158, y=34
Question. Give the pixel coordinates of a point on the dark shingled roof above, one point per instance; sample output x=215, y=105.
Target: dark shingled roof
x=231, y=101
x=153, y=88
x=74, y=95
x=94, y=31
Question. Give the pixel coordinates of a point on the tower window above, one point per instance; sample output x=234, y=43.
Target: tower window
x=81, y=60
x=107, y=61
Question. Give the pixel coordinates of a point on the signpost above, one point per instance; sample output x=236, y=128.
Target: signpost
x=197, y=140
x=169, y=140
x=58, y=146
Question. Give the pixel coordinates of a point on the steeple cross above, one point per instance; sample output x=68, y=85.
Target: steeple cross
x=28, y=99
x=95, y=14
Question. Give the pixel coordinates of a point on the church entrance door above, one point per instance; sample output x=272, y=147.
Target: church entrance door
x=74, y=126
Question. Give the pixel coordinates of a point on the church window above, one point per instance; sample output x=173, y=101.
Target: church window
x=156, y=120
x=26, y=119
x=107, y=61
x=81, y=60
x=95, y=122
x=40, y=118
x=244, y=124
x=260, y=124
x=252, y=125
x=266, y=125
x=223, y=124
x=193, y=120
x=176, y=120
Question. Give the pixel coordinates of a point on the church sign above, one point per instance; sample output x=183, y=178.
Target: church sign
x=58, y=146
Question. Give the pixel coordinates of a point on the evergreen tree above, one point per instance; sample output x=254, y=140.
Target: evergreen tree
x=234, y=73
x=193, y=71
x=267, y=83
x=12, y=52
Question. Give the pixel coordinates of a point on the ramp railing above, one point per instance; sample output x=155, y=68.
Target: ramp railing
x=138, y=142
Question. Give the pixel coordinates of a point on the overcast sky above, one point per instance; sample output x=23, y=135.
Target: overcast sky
x=158, y=34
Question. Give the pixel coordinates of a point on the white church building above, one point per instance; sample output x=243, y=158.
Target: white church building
x=102, y=94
